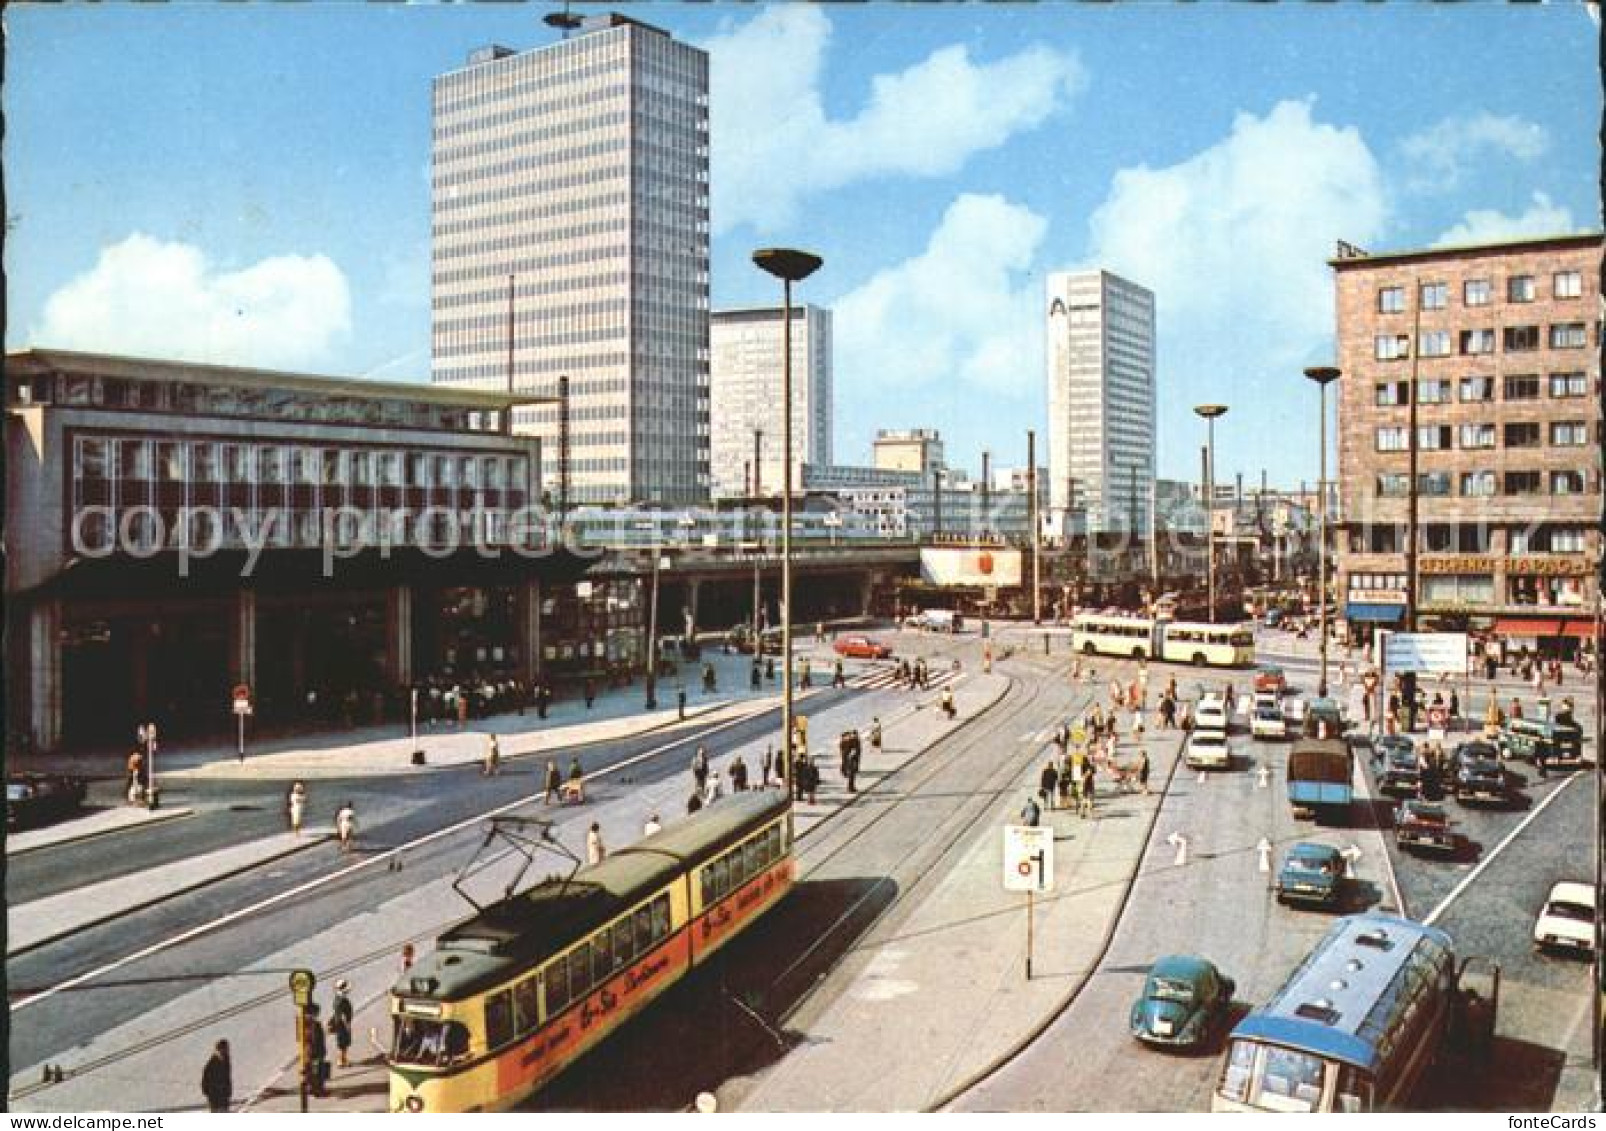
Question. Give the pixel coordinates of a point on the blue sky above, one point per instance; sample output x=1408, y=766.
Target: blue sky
x=249, y=183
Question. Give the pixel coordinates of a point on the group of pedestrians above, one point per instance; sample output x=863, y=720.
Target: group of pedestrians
x=295, y=809
x=217, y=1075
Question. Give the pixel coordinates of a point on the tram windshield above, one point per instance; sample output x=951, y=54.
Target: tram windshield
x=1279, y=1079
x=422, y=1041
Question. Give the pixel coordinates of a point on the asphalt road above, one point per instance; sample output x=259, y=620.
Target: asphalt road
x=1218, y=905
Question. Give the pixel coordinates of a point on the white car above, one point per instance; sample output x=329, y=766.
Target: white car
x=1211, y=715
x=1208, y=749
x=1267, y=720
x=1568, y=918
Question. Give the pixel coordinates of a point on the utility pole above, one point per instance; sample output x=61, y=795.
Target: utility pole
x=1408, y=679
x=758, y=455
x=986, y=490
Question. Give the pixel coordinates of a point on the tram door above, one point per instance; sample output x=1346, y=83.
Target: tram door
x=1477, y=1008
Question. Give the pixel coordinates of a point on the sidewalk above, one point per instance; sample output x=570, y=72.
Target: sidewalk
x=152, y=1062
x=97, y=822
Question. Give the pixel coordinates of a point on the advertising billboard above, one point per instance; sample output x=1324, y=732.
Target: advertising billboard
x=1435, y=653
x=976, y=566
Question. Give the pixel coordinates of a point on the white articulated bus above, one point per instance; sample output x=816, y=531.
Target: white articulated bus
x=1177, y=642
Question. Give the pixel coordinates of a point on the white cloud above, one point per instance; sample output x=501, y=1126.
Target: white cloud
x=156, y=299
x=1439, y=154
x=963, y=308
x=1234, y=240
x=773, y=144
x=1542, y=218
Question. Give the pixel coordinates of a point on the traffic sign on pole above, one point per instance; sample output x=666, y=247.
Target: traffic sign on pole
x=1028, y=858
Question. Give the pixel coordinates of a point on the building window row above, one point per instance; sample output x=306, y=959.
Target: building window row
x=1515, y=339
x=1480, y=292
x=1480, y=390
x=1482, y=484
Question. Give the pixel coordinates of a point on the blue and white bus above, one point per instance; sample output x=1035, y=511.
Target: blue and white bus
x=1352, y=1029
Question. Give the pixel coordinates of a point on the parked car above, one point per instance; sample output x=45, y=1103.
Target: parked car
x=1567, y=920
x=1552, y=744
x=1423, y=824
x=1211, y=714
x=861, y=647
x=1269, y=677
x=38, y=799
x=1267, y=720
x=1476, y=773
x=740, y=638
x=936, y=620
x=1402, y=776
x=1311, y=873
x=1208, y=749
x=1185, y=1000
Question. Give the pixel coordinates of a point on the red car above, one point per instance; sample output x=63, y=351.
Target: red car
x=862, y=648
x=1269, y=678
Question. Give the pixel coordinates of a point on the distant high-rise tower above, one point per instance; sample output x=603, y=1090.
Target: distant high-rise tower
x=1100, y=347
x=744, y=384
x=570, y=200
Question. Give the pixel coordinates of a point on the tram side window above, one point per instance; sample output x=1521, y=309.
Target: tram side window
x=624, y=946
x=750, y=860
x=1354, y=1090
x=526, y=1006
x=1235, y=1078
x=557, y=987
x=601, y=957
x=498, y=1019
x=643, y=927
x=660, y=918
x=579, y=971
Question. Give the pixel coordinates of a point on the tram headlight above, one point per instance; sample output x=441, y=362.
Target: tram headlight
x=414, y=1103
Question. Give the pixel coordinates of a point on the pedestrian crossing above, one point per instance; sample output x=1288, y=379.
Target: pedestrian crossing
x=879, y=679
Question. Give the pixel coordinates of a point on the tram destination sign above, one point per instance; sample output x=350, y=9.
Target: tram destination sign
x=1430, y=653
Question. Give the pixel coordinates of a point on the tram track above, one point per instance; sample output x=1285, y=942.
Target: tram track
x=958, y=825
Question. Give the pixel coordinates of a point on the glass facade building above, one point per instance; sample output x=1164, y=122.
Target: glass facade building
x=570, y=238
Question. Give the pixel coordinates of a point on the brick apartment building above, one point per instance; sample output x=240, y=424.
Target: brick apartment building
x=1503, y=343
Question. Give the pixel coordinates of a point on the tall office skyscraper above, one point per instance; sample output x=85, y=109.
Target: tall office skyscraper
x=570, y=198
x=1100, y=400
x=745, y=395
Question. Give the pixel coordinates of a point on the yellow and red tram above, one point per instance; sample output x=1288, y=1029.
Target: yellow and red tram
x=514, y=994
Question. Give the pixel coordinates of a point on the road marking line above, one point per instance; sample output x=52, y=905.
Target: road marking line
x=369, y=862
x=1489, y=857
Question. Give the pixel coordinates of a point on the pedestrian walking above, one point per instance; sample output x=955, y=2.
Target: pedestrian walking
x=699, y=767
x=738, y=772
x=754, y=679
x=1085, y=802
x=807, y=679
x=811, y=773
x=575, y=787
x=875, y=734
x=1048, y=784
x=1516, y=709
x=346, y=827
x=554, y=782
x=1143, y=772
x=948, y=703
x=680, y=702
x=708, y=679
x=596, y=851
x=590, y=692
x=136, y=778
x=296, y=807
x=765, y=766
x=1065, y=781
x=407, y=956
x=543, y=700
x=838, y=676
x=1030, y=814
x=217, y=1079
x=341, y=1015
x=714, y=790
x=317, y=1067
x=493, y=758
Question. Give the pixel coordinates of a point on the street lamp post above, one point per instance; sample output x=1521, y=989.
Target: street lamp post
x=790, y=266
x=1210, y=412
x=652, y=621
x=1323, y=375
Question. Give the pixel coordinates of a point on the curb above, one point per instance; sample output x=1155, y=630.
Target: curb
x=163, y=897
x=1059, y=1008
x=166, y=817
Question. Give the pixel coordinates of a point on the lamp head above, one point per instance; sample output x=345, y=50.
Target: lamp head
x=1322, y=374
x=1210, y=411
x=787, y=263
